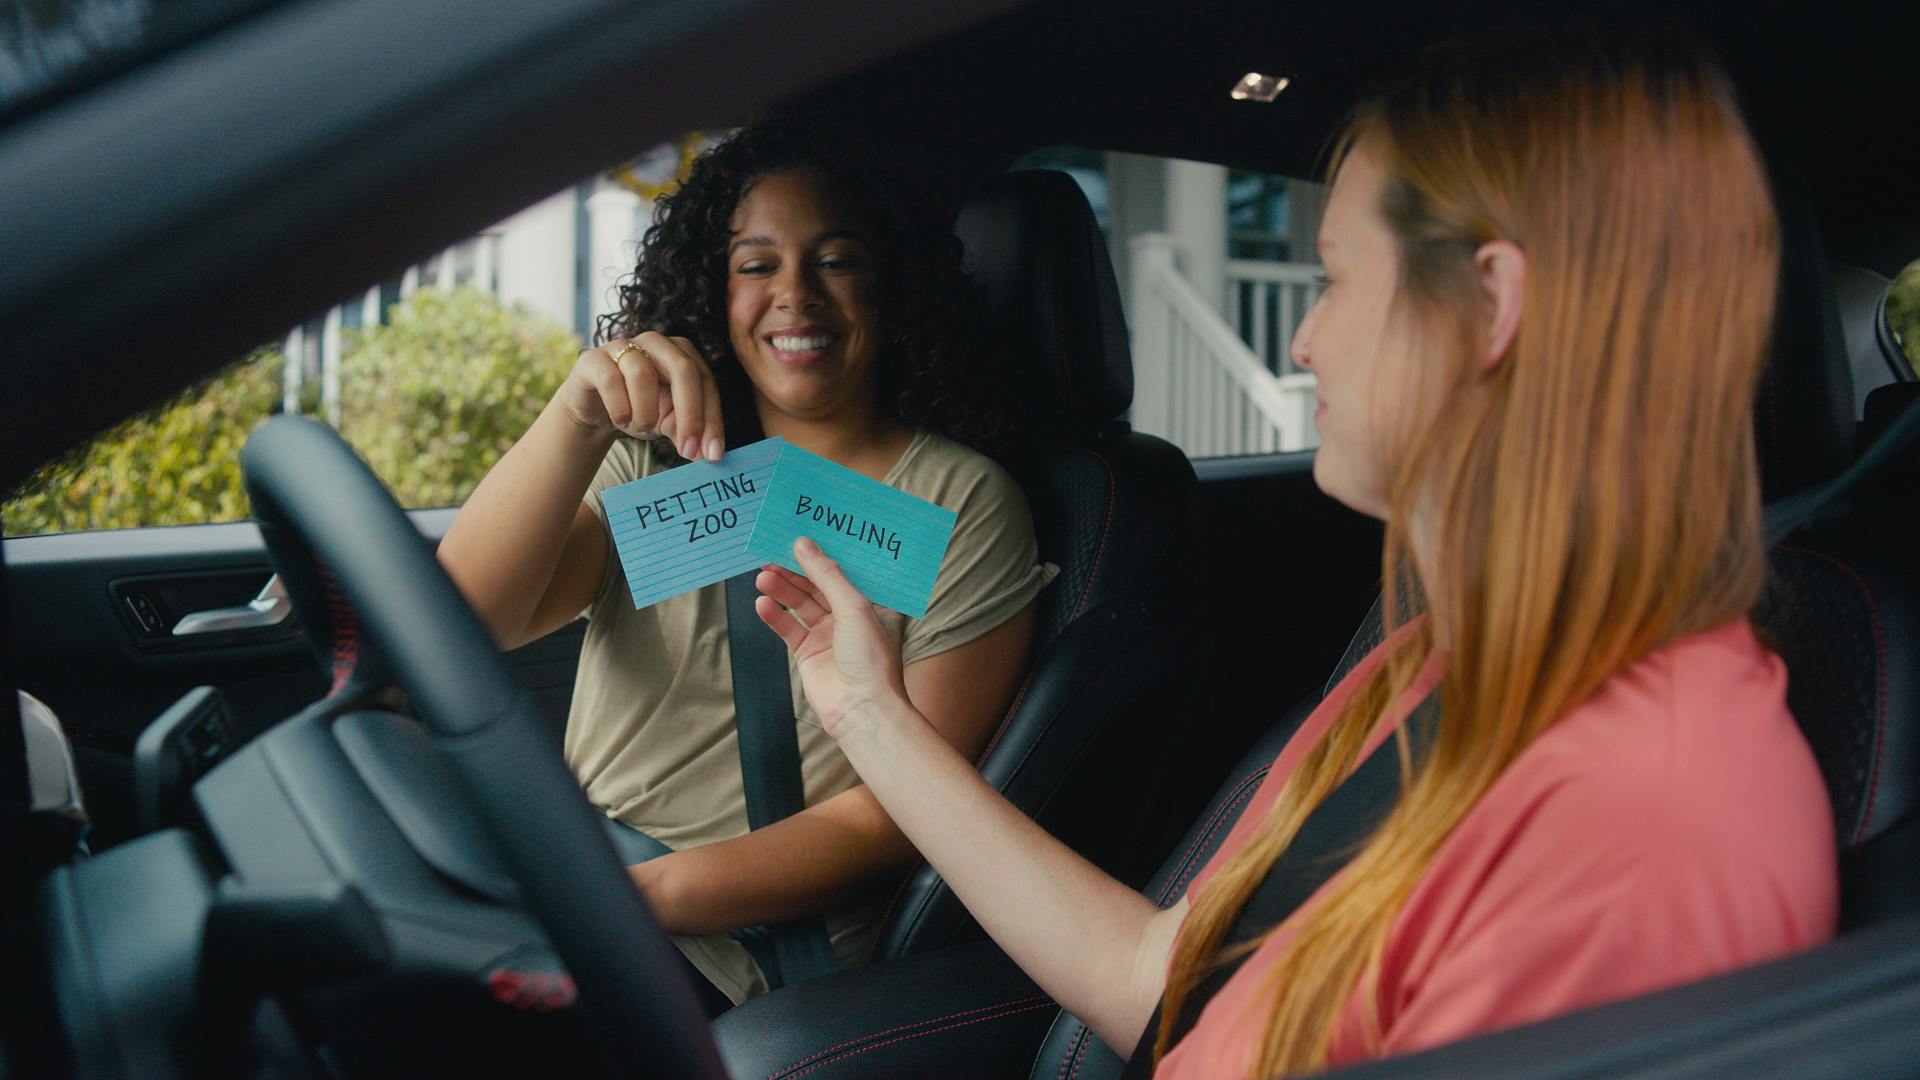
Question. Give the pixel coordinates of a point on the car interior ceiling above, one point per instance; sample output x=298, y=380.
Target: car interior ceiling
x=1151, y=78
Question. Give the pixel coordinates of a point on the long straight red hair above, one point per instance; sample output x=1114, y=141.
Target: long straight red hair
x=1593, y=497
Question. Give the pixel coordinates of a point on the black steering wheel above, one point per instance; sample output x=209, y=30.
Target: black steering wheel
x=323, y=511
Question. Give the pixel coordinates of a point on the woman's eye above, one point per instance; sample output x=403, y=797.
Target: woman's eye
x=753, y=268
x=840, y=262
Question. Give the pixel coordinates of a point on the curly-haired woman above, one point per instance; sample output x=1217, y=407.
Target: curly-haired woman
x=785, y=289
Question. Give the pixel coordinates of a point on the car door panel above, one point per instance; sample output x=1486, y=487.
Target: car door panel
x=86, y=647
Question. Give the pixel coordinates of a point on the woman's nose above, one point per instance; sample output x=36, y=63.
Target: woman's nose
x=796, y=289
x=1297, y=349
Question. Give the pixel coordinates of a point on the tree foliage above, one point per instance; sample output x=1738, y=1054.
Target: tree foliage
x=177, y=464
x=431, y=400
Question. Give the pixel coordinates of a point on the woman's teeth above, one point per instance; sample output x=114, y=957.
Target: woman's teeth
x=801, y=344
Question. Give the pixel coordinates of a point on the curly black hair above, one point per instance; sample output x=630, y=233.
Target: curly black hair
x=928, y=309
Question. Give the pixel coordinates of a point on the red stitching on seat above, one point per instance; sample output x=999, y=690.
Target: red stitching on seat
x=346, y=630
x=1880, y=684
x=1074, y=1053
x=1106, y=527
x=1006, y=721
x=886, y=915
x=823, y=1058
x=1240, y=794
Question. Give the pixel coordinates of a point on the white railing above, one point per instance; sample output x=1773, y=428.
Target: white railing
x=1196, y=383
x=1266, y=302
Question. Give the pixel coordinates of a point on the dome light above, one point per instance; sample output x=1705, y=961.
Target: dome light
x=1254, y=86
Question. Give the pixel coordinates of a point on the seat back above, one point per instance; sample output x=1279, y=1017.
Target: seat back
x=1116, y=657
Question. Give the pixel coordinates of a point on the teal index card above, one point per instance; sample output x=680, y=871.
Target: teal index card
x=689, y=526
x=889, y=543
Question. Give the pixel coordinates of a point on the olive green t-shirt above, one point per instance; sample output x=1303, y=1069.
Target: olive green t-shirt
x=651, y=731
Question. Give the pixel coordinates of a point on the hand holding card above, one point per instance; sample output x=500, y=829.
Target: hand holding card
x=888, y=543
x=708, y=521
x=689, y=526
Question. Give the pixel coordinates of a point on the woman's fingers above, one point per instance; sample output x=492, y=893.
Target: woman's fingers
x=607, y=382
x=780, y=621
x=642, y=387
x=798, y=581
x=685, y=373
x=838, y=593
x=792, y=597
x=715, y=440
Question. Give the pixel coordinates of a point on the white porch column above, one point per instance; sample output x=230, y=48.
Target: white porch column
x=536, y=257
x=443, y=271
x=370, y=310
x=483, y=246
x=1197, y=218
x=612, y=215
x=330, y=367
x=1150, y=254
x=409, y=281
x=1136, y=203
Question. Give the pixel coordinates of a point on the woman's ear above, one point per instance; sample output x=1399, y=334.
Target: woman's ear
x=1503, y=274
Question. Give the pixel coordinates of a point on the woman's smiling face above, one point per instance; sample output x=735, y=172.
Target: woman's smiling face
x=803, y=311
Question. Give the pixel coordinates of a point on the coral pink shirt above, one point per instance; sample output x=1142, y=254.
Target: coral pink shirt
x=1673, y=826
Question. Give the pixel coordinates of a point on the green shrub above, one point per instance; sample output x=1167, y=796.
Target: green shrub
x=177, y=464
x=431, y=400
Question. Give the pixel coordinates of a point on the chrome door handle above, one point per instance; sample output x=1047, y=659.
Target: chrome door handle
x=267, y=610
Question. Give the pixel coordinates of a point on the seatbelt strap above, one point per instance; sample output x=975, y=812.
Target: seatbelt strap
x=770, y=770
x=1330, y=837
x=1788, y=514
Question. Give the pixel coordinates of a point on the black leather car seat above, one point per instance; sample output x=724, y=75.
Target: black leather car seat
x=1114, y=662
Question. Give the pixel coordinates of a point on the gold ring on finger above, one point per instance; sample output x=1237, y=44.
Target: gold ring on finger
x=631, y=346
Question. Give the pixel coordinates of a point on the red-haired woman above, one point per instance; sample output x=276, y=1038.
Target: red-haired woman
x=1551, y=272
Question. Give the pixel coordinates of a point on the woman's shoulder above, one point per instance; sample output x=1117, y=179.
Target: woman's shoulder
x=949, y=473
x=1710, y=690
x=1688, y=756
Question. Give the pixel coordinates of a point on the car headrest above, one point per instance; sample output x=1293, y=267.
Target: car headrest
x=1804, y=416
x=1053, y=304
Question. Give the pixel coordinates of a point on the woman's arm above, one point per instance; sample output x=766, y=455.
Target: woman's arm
x=828, y=854
x=524, y=550
x=1098, y=947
